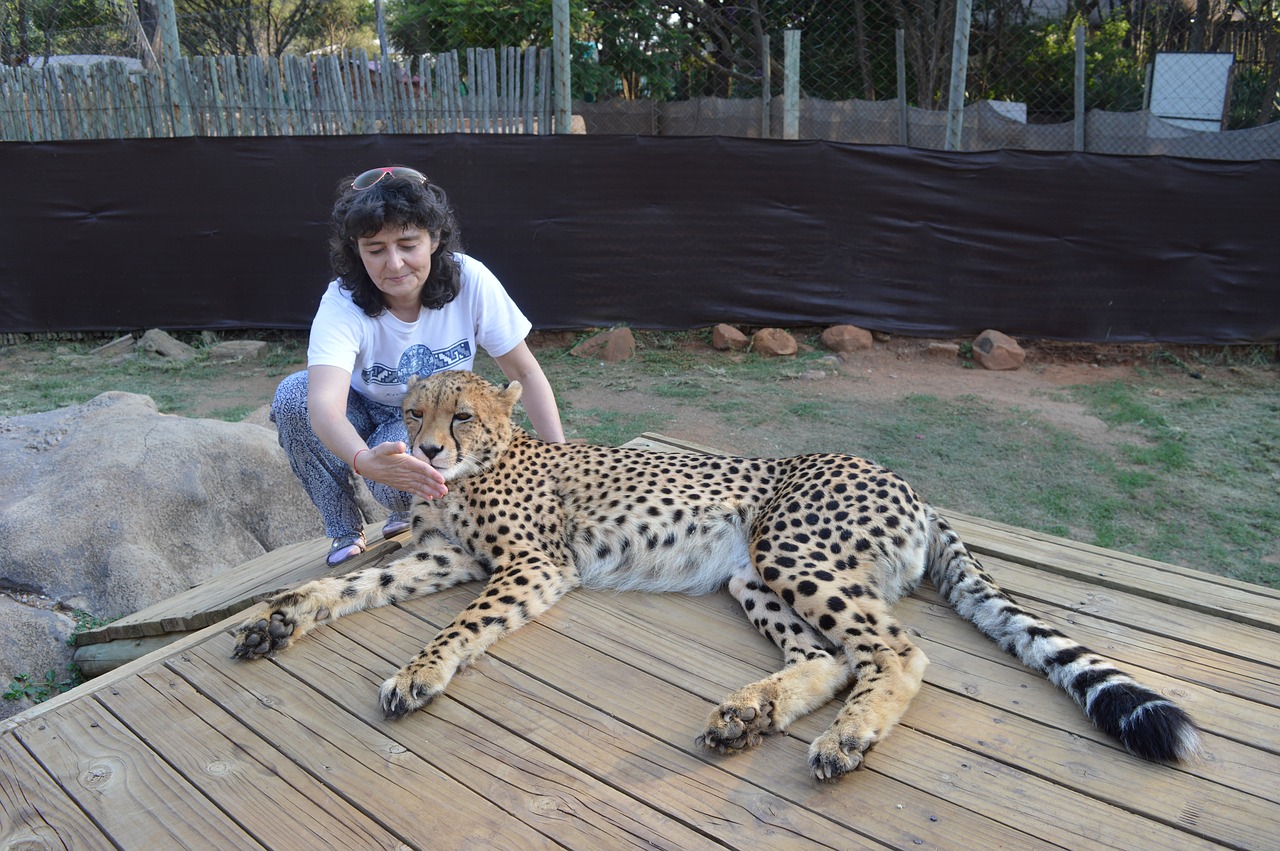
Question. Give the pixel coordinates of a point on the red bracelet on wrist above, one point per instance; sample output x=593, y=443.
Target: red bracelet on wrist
x=356, y=458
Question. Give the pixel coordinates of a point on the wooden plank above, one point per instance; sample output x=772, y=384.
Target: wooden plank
x=96, y=659
x=673, y=715
x=1212, y=635
x=1159, y=570
x=513, y=773
x=270, y=797
x=1100, y=754
x=1181, y=653
x=1012, y=688
x=1198, y=592
x=359, y=756
x=34, y=812
x=1221, y=714
x=128, y=790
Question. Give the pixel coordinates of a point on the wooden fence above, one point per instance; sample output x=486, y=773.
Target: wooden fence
x=476, y=90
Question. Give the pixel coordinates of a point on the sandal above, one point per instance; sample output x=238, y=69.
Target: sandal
x=397, y=522
x=344, y=548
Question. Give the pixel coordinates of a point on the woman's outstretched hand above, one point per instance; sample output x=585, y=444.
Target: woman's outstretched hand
x=391, y=465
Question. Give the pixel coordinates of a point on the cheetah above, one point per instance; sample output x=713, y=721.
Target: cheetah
x=816, y=549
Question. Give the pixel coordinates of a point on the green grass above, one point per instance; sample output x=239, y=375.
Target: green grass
x=56, y=375
x=1188, y=472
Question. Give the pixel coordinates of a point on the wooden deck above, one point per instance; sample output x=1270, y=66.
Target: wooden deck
x=577, y=732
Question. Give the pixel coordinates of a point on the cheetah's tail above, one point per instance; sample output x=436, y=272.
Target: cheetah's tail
x=1145, y=722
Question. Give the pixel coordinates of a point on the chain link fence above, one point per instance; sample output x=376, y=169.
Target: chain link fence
x=1185, y=77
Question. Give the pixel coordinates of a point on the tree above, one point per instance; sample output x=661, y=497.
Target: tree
x=340, y=25
x=419, y=27
x=42, y=28
x=244, y=27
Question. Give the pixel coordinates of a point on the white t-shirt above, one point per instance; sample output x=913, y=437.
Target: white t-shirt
x=383, y=352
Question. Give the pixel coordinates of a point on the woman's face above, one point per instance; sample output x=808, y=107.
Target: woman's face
x=398, y=260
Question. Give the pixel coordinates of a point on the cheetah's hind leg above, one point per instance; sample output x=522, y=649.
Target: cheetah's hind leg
x=889, y=670
x=813, y=675
x=432, y=566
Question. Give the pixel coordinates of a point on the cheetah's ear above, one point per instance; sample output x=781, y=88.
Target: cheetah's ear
x=511, y=394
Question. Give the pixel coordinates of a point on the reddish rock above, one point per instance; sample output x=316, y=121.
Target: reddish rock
x=994, y=350
x=846, y=338
x=726, y=337
x=774, y=342
x=610, y=346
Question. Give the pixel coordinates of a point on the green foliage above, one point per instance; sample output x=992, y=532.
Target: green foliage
x=420, y=27
x=26, y=687
x=1037, y=66
x=85, y=622
x=32, y=29
x=628, y=49
x=1251, y=89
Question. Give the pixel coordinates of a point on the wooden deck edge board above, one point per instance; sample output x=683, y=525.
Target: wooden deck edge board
x=107, y=680
x=1164, y=568
x=245, y=585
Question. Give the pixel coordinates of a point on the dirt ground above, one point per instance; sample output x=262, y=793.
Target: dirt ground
x=894, y=368
x=898, y=368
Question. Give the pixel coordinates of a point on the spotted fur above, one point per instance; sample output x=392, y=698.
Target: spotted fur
x=816, y=548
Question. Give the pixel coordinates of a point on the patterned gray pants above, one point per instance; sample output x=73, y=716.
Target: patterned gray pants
x=324, y=476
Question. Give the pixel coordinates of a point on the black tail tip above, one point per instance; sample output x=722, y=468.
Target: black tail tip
x=1160, y=731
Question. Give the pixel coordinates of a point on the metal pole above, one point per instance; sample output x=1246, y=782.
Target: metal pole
x=1079, y=123
x=560, y=59
x=959, y=74
x=900, y=54
x=791, y=84
x=766, y=88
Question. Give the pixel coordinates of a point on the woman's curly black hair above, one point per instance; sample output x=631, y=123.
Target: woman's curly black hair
x=396, y=202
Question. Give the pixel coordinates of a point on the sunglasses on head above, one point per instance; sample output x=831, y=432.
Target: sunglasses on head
x=373, y=175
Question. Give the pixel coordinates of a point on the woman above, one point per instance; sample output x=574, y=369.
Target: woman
x=406, y=302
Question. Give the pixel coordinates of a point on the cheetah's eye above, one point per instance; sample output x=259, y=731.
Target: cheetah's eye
x=414, y=414
x=461, y=417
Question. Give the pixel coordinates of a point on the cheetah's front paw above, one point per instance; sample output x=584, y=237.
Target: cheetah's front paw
x=285, y=618
x=262, y=637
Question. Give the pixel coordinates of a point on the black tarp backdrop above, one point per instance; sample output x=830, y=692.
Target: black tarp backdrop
x=659, y=233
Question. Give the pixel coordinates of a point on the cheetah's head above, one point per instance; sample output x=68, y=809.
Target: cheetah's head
x=458, y=422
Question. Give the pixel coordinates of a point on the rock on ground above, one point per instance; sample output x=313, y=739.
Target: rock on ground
x=995, y=350
x=725, y=337
x=846, y=338
x=111, y=506
x=774, y=342
x=611, y=346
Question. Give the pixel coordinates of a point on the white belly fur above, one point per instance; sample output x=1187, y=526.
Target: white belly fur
x=697, y=563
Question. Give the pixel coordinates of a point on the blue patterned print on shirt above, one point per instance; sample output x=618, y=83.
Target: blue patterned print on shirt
x=418, y=360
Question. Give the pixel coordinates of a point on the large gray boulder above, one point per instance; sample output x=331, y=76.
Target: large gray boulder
x=111, y=506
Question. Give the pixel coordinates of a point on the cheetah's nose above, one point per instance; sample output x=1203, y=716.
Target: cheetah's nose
x=430, y=451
